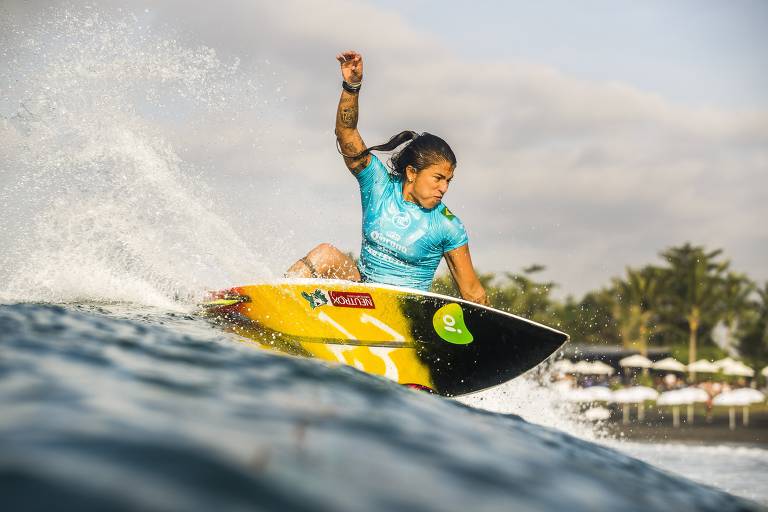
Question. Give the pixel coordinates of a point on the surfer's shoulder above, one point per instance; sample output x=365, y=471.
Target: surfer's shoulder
x=445, y=213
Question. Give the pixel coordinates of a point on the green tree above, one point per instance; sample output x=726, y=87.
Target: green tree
x=589, y=320
x=735, y=303
x=753, y=344
x=635, y=306
x=694, y=286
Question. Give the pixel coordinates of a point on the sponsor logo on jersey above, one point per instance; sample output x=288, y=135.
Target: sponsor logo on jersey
x=448, y=214
x=352, y=300
x=402, y=220
x=388, y=242
x=448, y=322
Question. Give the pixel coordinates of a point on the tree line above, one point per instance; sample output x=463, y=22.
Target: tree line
x=677, y=303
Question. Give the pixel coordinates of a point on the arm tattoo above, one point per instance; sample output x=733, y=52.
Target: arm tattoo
x=348, y=116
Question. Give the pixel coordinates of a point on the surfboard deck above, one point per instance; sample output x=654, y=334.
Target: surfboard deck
x=425, y=340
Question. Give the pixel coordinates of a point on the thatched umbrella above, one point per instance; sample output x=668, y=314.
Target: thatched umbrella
x=634, y=395
x=685, y=396
x=738, y=398
x=669, y=364
x=703, y=366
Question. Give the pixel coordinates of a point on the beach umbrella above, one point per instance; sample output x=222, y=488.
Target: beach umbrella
x=703, y=366
x=685, y=396
x=596, y=368
x=753, y=395
x=563, y=366
x=720, y=363
x=634, y=395
x=600, y=393
x=584, y=367
x=743, y=397
x=669, y=364
x=635, y=361
x=737, y=368
x=600, y=368
x=597, y=414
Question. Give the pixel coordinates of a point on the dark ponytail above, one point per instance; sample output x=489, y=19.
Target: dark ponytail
x=422, y=151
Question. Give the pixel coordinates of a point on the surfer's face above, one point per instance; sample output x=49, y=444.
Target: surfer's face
x=428, y=186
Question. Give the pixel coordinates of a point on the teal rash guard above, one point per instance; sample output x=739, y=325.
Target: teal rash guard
x=402, y=242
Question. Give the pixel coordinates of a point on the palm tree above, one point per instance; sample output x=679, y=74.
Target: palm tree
x=695, y=282
x=635, y=306
x=735, y=301
x=753, y=345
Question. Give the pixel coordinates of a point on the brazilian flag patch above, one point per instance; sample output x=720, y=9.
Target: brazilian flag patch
x=448, y=214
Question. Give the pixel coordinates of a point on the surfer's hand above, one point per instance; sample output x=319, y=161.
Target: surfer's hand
x=351, y=66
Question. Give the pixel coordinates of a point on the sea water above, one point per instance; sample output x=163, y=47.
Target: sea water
x=115, y=395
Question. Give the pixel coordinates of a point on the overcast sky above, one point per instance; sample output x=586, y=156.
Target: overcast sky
x=589, y=135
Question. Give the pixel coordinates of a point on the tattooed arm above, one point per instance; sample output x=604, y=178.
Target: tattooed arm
x=350, y=141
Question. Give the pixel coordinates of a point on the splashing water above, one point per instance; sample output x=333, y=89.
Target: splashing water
x=532, y=398
x=99, y=205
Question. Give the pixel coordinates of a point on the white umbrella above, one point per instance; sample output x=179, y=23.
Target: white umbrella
x=600, y=368
x=739, y=369
x=584, y=367
x=686, y=396
x=600, y=393
x=596, y=368
x=703, y=366
x=635, y=361
x=634, y=395
x=752, y=395
x=738, y=398
x=597, y=414
x=682, y=396
x=563, y=366
x=724, y=362
x=669, y=364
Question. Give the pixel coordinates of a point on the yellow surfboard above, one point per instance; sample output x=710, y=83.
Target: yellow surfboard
x=424, y=340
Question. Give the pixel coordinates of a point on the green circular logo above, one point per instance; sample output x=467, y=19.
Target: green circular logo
x=448, y=322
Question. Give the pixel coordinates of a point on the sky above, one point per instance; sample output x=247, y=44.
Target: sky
x=590, y=136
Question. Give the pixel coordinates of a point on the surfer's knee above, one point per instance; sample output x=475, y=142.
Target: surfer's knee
x=323, y=252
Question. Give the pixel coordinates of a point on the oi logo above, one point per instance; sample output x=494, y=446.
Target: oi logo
x=448, y=322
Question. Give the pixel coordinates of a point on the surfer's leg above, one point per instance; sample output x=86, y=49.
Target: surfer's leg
x=327, y=262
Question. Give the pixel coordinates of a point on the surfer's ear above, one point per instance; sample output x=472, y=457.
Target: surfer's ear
x=410, y=172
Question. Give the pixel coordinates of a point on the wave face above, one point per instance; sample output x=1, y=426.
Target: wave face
x=129, y=408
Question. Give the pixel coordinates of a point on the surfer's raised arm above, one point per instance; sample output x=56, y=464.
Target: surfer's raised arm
x=460, y=264
x=348, y=138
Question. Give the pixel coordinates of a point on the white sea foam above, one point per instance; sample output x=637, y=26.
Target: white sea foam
x=533, y=398
x=742, y=470
x=96, y=202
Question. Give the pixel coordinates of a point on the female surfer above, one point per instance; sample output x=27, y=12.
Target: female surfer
x=406, y=227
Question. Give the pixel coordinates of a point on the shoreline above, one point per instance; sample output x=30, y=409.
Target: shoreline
x=657, y=427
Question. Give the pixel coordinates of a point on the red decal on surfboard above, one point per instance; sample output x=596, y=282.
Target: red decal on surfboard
x=352, y=300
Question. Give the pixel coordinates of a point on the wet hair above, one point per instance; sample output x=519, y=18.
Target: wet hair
x=422, y=151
